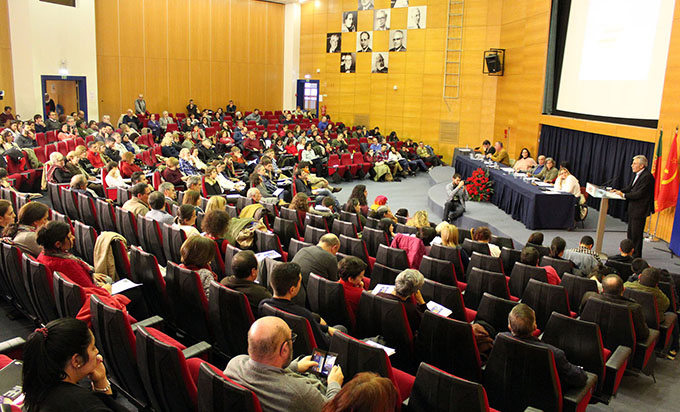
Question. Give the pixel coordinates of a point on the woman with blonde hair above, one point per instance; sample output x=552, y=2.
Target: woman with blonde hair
x=419, y=219
x=216, y=203
x=193, y=198
x=167, y=147
x=449, y=235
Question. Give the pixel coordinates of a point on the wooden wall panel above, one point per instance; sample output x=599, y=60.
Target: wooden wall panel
x=174, y=50
x=6, y=75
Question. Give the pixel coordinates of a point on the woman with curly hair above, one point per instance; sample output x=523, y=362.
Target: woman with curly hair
x=419, y=219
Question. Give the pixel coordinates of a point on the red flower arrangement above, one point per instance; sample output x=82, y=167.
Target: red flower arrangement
x=478, y=186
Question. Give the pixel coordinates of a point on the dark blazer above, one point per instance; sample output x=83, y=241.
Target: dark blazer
x=640, y=196
x=320, y=331
x=570, y=375
x=641, y=329
x=254, y=292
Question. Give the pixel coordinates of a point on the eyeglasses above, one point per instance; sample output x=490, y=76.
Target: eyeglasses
x=292, y=338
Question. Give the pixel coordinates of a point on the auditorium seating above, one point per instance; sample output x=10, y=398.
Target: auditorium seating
x=305, y=342
x=216, y=392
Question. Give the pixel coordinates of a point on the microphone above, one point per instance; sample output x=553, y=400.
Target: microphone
x=610, y=181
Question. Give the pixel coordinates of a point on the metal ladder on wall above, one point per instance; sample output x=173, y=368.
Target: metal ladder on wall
x=453, y=53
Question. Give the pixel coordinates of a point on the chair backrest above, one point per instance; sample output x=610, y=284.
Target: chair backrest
x=292, y=215
x=481, y=282
x=176, y=237
x=576, y=287
x=88, y=211
x=150, y=236
x=356, y=356
x=402, y=228
x=216, y=392
x=486, y=262
x=53, y=190
x=473, y=246
x=450, y=345
x=86, y=237
x=305, y=342
x=650, y=307
x=447, y=296
x=580, y=340
x=341, y=227
x=327, y=298
x=317, y=221
x=436, y=390
x=230, y=319
x=106, y=216
x=494, y=311
x=545, y=299
x=116, y=342
x=14, y=270
x=453, y=255
x=351, y=217
x=502, y=242
x=127, y=225
x=294, y=246
x=39, y=284
x=313, y=234
x=439, y=270
x=374, y=238
x=353, y=246
x=520, y=374
x=615, y=321
x=286, y=230
x=68, y=296
x=165, y=374
x=228, y=257
x=383, y=274
x=625, y=270
x=509, y=257
x=186, y=296
x=68, y=201
x=542, y=250
x=145, y=270
x=268, y=241
x=120, y=258
x=372, y=222
x=561, y=266
x=392, y=257
x=520, y=276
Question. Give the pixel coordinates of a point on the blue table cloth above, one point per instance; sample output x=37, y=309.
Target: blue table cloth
x=524, y=201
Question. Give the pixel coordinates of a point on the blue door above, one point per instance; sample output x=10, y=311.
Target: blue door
x=308, y=95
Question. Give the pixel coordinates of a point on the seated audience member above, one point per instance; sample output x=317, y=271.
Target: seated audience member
x=419, y=219
x=7, y=214
x=127, y=165
x=557, y=247
x=539, y=167
x=280, y=383
x=158, y=211
x=113, y=178
x=74, y=167
x=612, y=291
x=379, y=169
x=192, y=197
x=525, y=162
x=326, y=209
x=255, y=209
x=286, y=281
x=522, y=324
x=625, y=252
x=483, y=234
x=637, y=265
x=549, y=172
x=351, y=270
x=216, y=203
x=407, y=290
x=138, y=177
x=171, y=173
x=531, y=257
x=170, y=193
x=320, y=260
x=55, y=359
x=197, y=253
x=567, y=182
x=598, y=274
x=449, y=237
x=65, y=132
x=57, y=173
x=648, y=281
x=212, y=188
x=403, y=212
x=583, y=256
x=79, y=185
x=215, y=225
x=366, y=392
x=426, y=156
x=94, y=155
x=139, y=202
x=387, y=225
x=244, y=274
x=32, y=216
x=186, y=219
x=536, y=239
x=500, y=155
x=186, y=165
x=167, y=148
x=303, y=185
x=113, y=150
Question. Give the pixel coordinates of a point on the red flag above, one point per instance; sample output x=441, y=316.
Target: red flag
x=667, y=181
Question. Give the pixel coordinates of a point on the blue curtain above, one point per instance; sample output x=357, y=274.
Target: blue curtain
x=595, y=158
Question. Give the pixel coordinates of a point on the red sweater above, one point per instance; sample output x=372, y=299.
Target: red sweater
x=75, y=270
x=95, y=159
x=127, y=169
x=172, y=176
x=352, y=296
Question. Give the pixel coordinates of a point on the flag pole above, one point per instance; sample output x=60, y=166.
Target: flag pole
x=648, y=236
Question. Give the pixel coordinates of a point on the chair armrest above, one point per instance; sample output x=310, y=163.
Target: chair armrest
x=148, y=322
x=11, y=345
x=618, y=358
x=651, y=339
x=576, y=395
x=669, y=320
x=196, y=350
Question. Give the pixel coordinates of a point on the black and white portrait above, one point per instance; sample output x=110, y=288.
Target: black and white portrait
x=349, y=21
x=399, y=3
x=397, y=40
x=379, y=63
x=417, y=17
x=333, y=41
x=365, y=4
x=365, y=41
x=382, y=19
x=348, y=62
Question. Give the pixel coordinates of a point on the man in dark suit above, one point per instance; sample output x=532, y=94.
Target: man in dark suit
x=522, y=324
x=640, y=197
x=244, y=268
x=320, y=260
x=612, y=291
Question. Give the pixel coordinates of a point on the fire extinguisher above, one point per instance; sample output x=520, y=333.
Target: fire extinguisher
x=323, y=110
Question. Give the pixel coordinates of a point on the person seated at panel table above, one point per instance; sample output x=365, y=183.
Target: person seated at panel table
x=538, y=167
x=500, y=155
x=567, y=182
x=549, y=172
x=525, y=162
x=486, y=148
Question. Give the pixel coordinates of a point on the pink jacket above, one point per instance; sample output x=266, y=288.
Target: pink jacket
x=414, y=247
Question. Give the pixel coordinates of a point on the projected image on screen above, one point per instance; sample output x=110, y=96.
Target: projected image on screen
x=615, y=58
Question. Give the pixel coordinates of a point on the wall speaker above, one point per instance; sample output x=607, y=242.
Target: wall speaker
x=494, y=60
x=493, y=63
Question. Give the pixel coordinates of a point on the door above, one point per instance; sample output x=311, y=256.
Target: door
x=69, y=93
x=308, y=95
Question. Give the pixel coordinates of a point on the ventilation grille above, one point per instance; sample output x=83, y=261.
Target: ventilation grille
x=449, y=132
x=362, y=120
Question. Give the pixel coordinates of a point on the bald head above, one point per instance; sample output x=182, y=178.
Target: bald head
x=612, y=285
x=265, y=339
x=330, y=243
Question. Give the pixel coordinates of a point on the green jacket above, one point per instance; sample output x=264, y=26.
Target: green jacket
x=661, y=298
